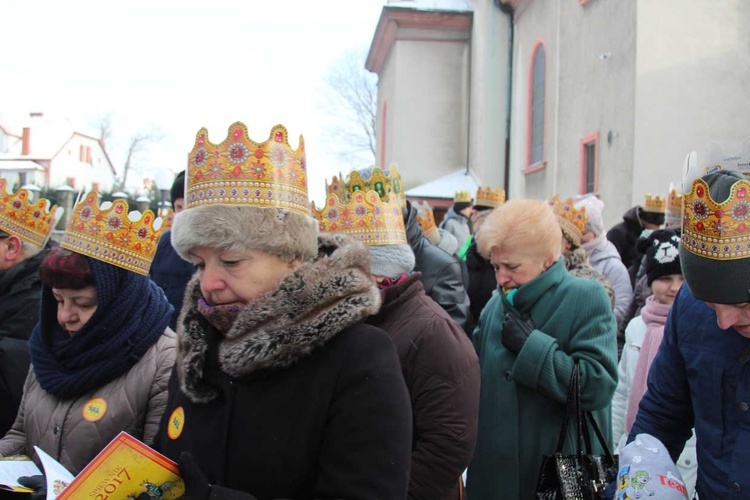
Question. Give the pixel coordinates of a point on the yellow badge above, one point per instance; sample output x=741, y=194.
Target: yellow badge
x=94, y=410
x=176, y=423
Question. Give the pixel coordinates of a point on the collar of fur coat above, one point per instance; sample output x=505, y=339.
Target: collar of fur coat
x=576, y=258
x=308, y=308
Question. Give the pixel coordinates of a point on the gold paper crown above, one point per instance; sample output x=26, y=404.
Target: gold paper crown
x=384, y=182
x=674, y=203
x=33, y=223
x=112, y=235
x=655, y=204
x=719, y=231
x=425, y=216
x=167, y=217
x=462, y=197
x=572, y=220
x=490, y=197
x=366, y=217
x=240, y=171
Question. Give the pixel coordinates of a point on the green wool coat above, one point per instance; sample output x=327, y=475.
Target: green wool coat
x=522, y=399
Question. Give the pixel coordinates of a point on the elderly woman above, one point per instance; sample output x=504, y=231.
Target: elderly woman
x=280, y=390
x=101, y=353
x=526, y=366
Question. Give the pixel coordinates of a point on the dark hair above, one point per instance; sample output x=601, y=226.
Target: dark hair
x=65, y=269
x=178, y=187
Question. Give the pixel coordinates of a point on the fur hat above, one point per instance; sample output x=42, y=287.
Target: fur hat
x=178, y=187
x=647, y=471
x=391, y=261
x=714, y=280
x=662, y=253
x=290, y=235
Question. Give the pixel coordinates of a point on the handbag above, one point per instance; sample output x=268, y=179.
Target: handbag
x=582, y=476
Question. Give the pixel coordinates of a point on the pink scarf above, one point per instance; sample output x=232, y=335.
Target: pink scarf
x=654, y=315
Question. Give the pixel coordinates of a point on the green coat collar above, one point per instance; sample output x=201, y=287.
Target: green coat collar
x=528, y=294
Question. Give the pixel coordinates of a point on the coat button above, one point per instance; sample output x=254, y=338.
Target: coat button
x=742, y=406
x=56, y=430
x=736, y=487
x=508, y=376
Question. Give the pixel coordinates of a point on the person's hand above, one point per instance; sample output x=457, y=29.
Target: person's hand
x=515, y=333
x=196, y=484
x=37, y=483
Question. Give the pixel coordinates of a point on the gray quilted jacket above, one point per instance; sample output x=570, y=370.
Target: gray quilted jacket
x=74, y=431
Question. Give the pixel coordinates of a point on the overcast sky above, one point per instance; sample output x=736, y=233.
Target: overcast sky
x=177, y=66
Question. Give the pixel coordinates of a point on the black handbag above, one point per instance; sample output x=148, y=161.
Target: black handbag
x=582, y=476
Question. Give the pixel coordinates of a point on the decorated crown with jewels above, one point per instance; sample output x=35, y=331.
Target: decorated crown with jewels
x=366, y=217
x=240, y=171
x=655, y=204
x=167, y=218
x=31, y=221
x=425, y=216
x=572, y=219
x=112, y=234
x=384, y=182
x=488, y=197
x=462, y=197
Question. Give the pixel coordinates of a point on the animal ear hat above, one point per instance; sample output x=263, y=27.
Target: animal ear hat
x=647, y=471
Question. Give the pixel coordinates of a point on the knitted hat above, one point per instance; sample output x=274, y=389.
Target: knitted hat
x=714, y=250
x=647, y=471
x=662, y=253
x=391, y=261
x=461, y=205
x=178, y=187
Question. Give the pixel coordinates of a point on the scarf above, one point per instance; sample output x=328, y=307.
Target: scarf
x=132, y=313
x=389, y=282
x=221, y=317
x=598, y=243
x=654, y=315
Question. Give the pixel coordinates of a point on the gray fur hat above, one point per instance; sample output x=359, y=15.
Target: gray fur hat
x=723, y=281
x=391, y=261
x=290, y=235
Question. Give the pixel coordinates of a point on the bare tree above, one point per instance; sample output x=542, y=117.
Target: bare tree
x=350, y=101
x=138, y=144
x=104, y=124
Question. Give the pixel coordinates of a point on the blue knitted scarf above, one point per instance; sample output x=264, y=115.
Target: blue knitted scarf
x=132, y=313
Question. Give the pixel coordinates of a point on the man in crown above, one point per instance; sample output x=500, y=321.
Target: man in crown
x=456, y=220
x=701, y=374
x=20, y=291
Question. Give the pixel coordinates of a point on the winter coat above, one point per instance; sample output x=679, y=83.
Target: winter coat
x=457, y=225
x=701, y=378
x=482, y=280
x=20, y=293
x=74, y=431
x=634, y=335
x=298, y=399
x=441, y=372
x=172, y=274
x=522, y=402
x=442, y=275
x=576, y=262
x=624, y=235
x=607, y=262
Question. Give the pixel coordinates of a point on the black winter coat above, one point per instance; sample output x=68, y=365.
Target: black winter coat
x=482, y=280
x=442, y=275
x=172, y=274
x=20, y=294
x=298, y=400
x=623, y=236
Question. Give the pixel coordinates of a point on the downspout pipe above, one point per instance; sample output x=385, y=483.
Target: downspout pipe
x=508, y=10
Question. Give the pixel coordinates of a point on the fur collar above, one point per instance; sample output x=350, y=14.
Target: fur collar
x=308, y=308
x=576, y=259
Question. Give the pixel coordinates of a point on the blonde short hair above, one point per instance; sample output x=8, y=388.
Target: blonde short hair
x=528, y=224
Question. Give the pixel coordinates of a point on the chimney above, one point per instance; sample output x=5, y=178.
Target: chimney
x=25, y=138
x=36, y=114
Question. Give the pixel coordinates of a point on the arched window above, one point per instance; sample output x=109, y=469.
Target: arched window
x=536, y=106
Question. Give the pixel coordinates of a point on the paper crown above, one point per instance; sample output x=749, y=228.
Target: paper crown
x=674, y=207
x=462, y=197
x=655, y=204
x=242, y=172
x=366, y=217
x=384, y=182
x=167, y=217
x=32, y=222
x=488, y=197
x=113, y=235
x=425, y=216
x=572, y=220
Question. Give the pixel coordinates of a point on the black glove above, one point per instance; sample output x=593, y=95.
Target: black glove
x=196, y=484
x=36, y=483
x=515, y=332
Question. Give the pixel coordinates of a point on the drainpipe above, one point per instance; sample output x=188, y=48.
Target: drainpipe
x=508, y=10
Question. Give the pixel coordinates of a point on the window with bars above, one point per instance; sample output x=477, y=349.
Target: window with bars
x=536, y=112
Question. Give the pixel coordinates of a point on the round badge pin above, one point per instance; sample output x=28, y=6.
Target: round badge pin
x=94, y=410
x=176, y=423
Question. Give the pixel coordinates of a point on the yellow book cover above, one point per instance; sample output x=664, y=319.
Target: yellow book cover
x=123, y=470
